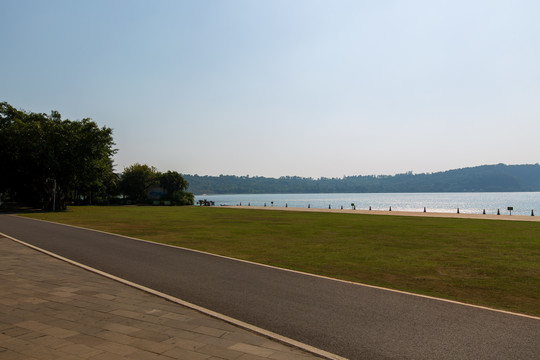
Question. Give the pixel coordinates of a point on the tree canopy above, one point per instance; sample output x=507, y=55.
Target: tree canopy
x=48, y=162
x=175, y=187
x=38, y=151
x=138, y=179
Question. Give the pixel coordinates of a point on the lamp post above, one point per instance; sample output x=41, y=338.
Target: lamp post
x=54, y=194
x=54, y=197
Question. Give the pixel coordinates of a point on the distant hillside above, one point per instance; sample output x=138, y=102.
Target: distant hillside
x=486, y=178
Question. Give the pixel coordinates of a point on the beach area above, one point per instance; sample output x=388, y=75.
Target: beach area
x=396, y=213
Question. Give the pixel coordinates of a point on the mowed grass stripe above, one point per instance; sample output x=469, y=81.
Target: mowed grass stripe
x=484, y=262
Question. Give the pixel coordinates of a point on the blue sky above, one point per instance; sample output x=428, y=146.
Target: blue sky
x=274, y=88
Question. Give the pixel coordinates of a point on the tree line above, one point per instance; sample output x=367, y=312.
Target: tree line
x=486, y=178
x=47, y=162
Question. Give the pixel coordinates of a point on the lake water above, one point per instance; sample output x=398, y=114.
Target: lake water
x=472, y=203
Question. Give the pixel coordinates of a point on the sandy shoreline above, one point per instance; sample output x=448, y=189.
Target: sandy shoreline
x=396, y=213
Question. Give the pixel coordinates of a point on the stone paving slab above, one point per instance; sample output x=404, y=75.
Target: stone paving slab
x=53, y=310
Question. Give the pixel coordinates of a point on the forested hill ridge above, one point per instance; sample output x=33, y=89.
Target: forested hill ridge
x=486, y=178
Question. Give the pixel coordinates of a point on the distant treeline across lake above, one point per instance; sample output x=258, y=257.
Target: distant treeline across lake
x=486, y=178
x=523, y=203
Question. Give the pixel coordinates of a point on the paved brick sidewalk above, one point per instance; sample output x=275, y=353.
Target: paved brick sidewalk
x=53, y=310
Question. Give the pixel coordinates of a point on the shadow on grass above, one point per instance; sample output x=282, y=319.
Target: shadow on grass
x=14, y=208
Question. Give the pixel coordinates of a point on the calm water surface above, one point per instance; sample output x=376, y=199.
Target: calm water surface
x=473, y=203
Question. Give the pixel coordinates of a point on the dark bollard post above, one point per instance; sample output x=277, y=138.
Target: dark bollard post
x=532, y=212
x=424, y=209
x=458, y=210
x=309, y=206
x=390, y=209
x=498, y=212
x=329, y=206
x=370, y=208
x=484, y=212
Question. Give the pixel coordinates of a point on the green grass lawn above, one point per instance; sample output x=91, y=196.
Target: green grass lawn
x=485, y=262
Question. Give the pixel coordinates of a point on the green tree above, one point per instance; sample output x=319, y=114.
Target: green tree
x=175, y=186
x=38, y=151
x=91, y=161
x=136, y=180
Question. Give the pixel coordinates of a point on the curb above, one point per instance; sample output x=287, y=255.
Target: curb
x=238, y=323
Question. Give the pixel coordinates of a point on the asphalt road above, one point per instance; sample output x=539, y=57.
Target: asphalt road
x=350, y=320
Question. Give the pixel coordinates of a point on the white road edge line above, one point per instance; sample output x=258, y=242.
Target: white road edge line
x=301, y=272
x=230, y=320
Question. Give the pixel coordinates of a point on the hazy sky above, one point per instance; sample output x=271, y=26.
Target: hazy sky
x=272, y=88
